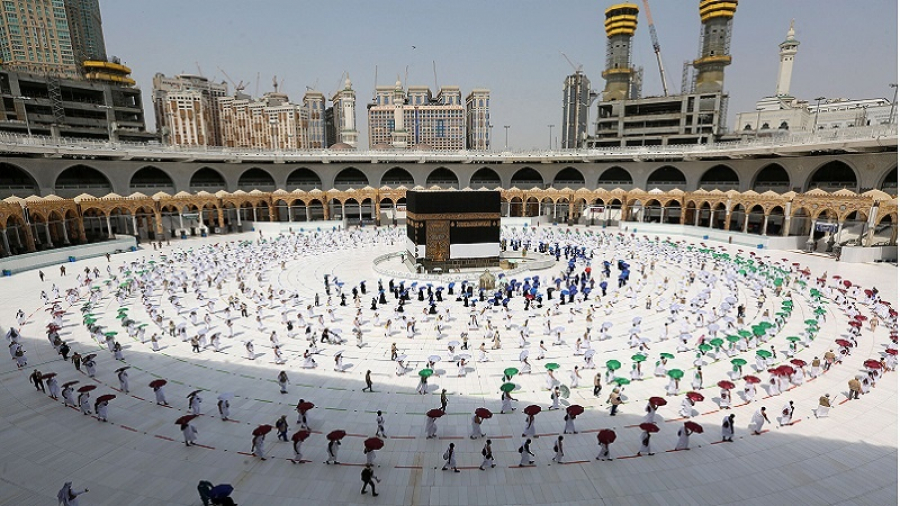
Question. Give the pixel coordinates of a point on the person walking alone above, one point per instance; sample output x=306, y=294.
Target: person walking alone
x=367, y=476
x=450, y=458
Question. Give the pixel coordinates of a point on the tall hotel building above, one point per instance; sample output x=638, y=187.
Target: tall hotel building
x=187, y=110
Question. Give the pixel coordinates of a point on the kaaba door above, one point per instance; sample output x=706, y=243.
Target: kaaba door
x=437, y=246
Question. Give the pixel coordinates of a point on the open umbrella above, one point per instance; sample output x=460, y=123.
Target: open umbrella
x=704, y=348
x=639, y=357
x=262, y=430
x=613, y=365
x=820, y=310
x=799, y=363
x=855, y=323
x=666, y=356
x=220, y=491
x=336, y=435
x=48, y=375
x=434, y=358
x=891, y=351
x=106, y=397
x=811, y=322
x=564, y=391
x=195, y=392
x=649, y=427
x=695, y=396
x=784, y=370
x=843, y=343
x=725, y=385
x=225, y=396
x=92, y=356
x=508, y=387
x=621, y=381
x=509, y=372
x=793, y=339
x=87, y=388
x=738, y=362
x=400, y=358
x=751, y=379
x=532, y=410
x=305, y=406
x=872, y=364
x=70, y=383
x=860, y=317
x=425, y=373
x=764, y=353
x=606, y=436
x=693, y=427
x=745, y=333
x=575, y=410
x=374, y=443
x=435, y=413
x=552, y=366
x=483, y=413
x=658, y=401
x=675, y=374
x=185, y=419
x=300, y=435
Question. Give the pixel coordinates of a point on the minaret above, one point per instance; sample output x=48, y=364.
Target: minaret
x=398, y=136
x=347, y=133
x=788, y=51
x=620, y=24
x=715, y=44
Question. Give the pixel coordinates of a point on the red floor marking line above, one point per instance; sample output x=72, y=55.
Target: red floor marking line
x=739, y=405
x=792, y=423
x=445, y=437
x=718, y=442
x=139, y=398
x=575, y=462
x=546, y=435
x=629, y=457
x=401, y=437
x=670, y=451
x=205, y=446
x=843, y=401
x=501, y=437
x=523, y=467
x=407, y=467
x=630, y=426
x=351, y=464
x=356, y=435
x=166, y=438
x=128, y=428
x=711, y=412
x=676, y=419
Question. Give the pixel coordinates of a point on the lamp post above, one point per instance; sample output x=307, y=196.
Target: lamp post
x=551, y=136
x=816, y=121
x=27, y=123
x=506, y=144
x=893, y=103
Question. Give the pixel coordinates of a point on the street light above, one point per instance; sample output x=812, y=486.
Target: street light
x=506, y=144
x=551, y=136
x=816, y=121
x=27, y=124
x=893, y=103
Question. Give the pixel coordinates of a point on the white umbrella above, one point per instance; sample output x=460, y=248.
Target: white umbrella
x=713, y=327
x=401, y=358
x=226, y=396
x=636, y=320
x=464, y=356
x=434, y=358
x=559, y=329
x=453, y=343
x=589, y=353
x=606, y=325
x=338, y=352
x=523, y=355
x=730, y=300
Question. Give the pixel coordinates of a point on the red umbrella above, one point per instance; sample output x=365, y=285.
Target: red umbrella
x=185, y=419
x=483, y=413
x=860, y=317
x=726, y=385
x=300, y=435
x=848, y=283
x=575, y=410
x=784, y=370
x=305, y=406
x=868, y=293
x=262, y=430
x=48, y=375
x=157, y=383
x=532, y=410
x=891, y=351
x=821, y=280
x=435, y=413
x=843, y=342
x=606, y=436
x=695, y=396
x=106, y=397
x=894, y=338
x=751, y=379
x=374, y=443
x=87, y=388
x=658, y=401
x=872, y=364
x=336, y=435
x=649, y=427
x=694, y=427
x=52, y=326
x=799, y=363
x=70, y=383
x=855, y=323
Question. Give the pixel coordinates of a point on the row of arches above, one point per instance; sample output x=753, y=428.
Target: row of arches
x=79, y=179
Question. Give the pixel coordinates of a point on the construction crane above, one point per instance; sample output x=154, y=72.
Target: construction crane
x=655, y=40
x=576, y=69
x=238, y=87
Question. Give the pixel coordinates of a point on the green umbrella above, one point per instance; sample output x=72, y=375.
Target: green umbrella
x=121, y=309
x=639, y=357
x=744, y=333
x=782, y=314
x=90, y=321
x=815, y=292
x=121, y=315
x=716, y=342
x=787, y=303
x=759, y=331
x=142, y=325
x=793, y=339
x=123, y=285
x=820, y=310
x=675, y=373
x=812, y=330
x=766, y=325
x=621, y=381
x=733, y=338
x=764, y=353
x=779, y=281
x=801, y=282
x=738, y=362
x=110, y=334
x=552, y=366
x=510, y=372
x=812, y=323
x=612, y=365
x=667, y=355
x=508, y=387
x=742, y=272
x=704, y=348
x=90, y=315
x=426, y=373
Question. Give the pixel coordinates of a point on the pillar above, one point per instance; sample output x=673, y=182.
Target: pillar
x=727, y=220
x=47, y=233
x=326, y=209
x=239, y=211
x=65, y=232
x=254, y=213
x=108, y=227
x=29, y=240
x=273, y=212
x=662, y=215
x=308, y=213
x=180, y=221
x=746, y=222
x=343, y=211
x=134, y=225
x=377, y=212
x=290, y=211
x=572, y=218
x=712, y=216
x=523, y=213
x=360, y=212
x=221, y=217
x=838, y=233
x=6, y=242
x=787, y=220
x=82, y=235
x=157, y=217
x=697, y=217
x=765, y=225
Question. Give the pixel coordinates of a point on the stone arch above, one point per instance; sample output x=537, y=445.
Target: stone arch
x=350, y=177
x=775, y=222
x=569, y=177
x=442, y=177
x=721, y=177
x=150, y=180
x=255, y=178
x=666, y=177
x=17, y=235
x=527, y=178
x=79, y=179
x=889, y=183
x=671, y=212
x=885, y=231
x=615, y=177
x=303, y=179
x=832, y=176
x=772, y=177
x=397, y=176
x=15, y=180
x=485, y=177
x=207, y=179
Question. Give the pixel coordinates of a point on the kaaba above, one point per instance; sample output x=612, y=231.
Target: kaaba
x=453, y=229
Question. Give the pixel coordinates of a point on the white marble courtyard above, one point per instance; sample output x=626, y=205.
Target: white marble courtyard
x=138, y=458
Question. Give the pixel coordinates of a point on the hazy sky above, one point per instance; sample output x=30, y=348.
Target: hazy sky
x=847, y=49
